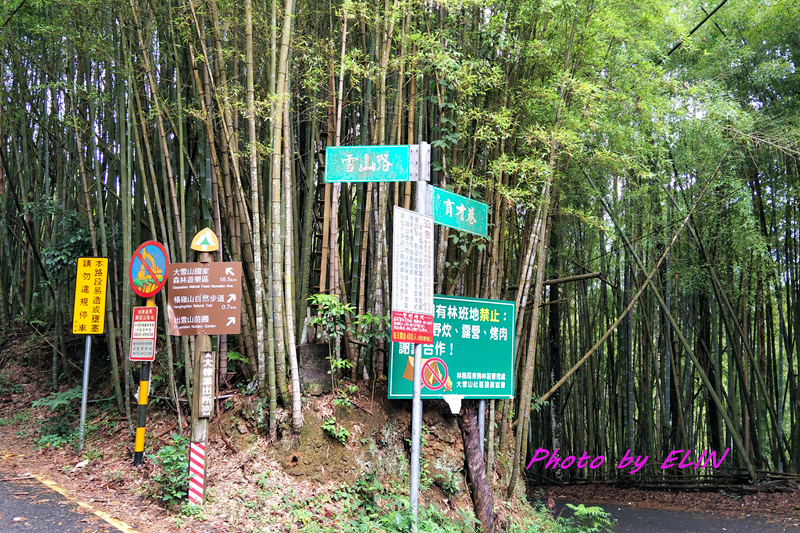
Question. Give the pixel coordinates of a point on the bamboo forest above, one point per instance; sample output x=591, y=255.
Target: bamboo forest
x=640, y=161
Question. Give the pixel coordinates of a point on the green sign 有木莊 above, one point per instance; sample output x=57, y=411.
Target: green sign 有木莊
x=459, y=212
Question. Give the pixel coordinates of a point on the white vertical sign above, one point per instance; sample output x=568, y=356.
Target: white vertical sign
x=412, y=277
x=143, y=334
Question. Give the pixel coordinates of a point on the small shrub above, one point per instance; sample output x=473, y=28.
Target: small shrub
x=7, y=387
x=336, y=431
x=591, y=519
x=59, y=429
x=58, y=400
x=171, y=482
x=192, y=510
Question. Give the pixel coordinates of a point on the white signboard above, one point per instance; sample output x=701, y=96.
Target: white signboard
x=412, y=277
x=143, y=334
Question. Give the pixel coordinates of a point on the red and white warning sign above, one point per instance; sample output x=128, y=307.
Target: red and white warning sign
x=434, y=373
x=197, y=472
x=412, y=277
x=143, y=333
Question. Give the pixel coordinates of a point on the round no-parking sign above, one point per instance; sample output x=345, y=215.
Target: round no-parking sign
x=149, y=269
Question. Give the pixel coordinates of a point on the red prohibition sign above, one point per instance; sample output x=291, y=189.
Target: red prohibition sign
x=435, y=376
x=152, y=261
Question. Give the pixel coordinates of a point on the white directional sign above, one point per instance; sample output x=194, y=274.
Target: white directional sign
x=412, y=277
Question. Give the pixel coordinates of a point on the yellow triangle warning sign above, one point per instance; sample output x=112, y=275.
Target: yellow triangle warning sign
x=205, y=241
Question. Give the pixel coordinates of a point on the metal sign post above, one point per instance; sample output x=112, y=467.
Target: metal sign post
x=203, y=301
x=412, y=292
x=463, y=214
x=89, y=317
x=145, y=352
x=423, y=207
x=147, y=273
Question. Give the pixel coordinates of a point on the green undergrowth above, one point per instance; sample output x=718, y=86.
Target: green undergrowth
x=371, y=506
x=59, y=425
x=368, y=505
x=8, y=387
x=584, y=519
x=170, y=483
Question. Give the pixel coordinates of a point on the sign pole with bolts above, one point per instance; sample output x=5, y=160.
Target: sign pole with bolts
x=423, y=207
x=393, y=164
x=203, y=401
x=89, y=317
x=141, y=415
x=147, y=273
x=203, y=393
x=87, y=356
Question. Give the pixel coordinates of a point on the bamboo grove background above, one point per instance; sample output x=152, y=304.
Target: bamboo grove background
x=592, y=129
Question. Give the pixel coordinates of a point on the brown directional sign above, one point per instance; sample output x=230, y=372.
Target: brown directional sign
x=204, y=298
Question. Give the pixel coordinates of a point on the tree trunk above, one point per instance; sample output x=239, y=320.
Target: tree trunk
x=473, y=453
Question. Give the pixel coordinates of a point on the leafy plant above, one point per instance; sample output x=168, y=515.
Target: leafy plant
x=591, y=519
x=58, y=400
x=338, y=364
x=19, y=417
x=6, y=387
x=344, y=398
x=331, y=315
x=92, y=454
x=75, y=241
x=171, y=481
x=59, y=429
x=235, y=357
x=262, y=480
x=191, y=510
x=38, y=314
x=373, y=328
x=450, y=485
x=336, y=431
x=400, y=520
x=332, y=320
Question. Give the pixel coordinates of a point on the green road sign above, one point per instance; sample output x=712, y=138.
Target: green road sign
x=472, y=354
x=368, y=163
x=459, y=212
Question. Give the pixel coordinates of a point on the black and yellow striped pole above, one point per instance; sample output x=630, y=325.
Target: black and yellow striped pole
x=141, y=415
x=147, y=274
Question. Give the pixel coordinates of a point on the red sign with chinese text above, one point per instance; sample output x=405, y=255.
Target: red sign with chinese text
x=415, y=328
x=143, y=333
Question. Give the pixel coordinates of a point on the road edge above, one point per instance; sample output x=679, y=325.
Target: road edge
x=119, y=524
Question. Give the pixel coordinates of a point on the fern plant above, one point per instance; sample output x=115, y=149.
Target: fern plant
x=592, y=519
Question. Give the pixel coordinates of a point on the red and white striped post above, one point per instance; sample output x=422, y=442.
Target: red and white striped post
x=202, y=408
x=197, y=473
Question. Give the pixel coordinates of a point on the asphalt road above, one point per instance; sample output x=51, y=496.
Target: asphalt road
x=639, y=520
x=29, y=505
x=26, y=504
